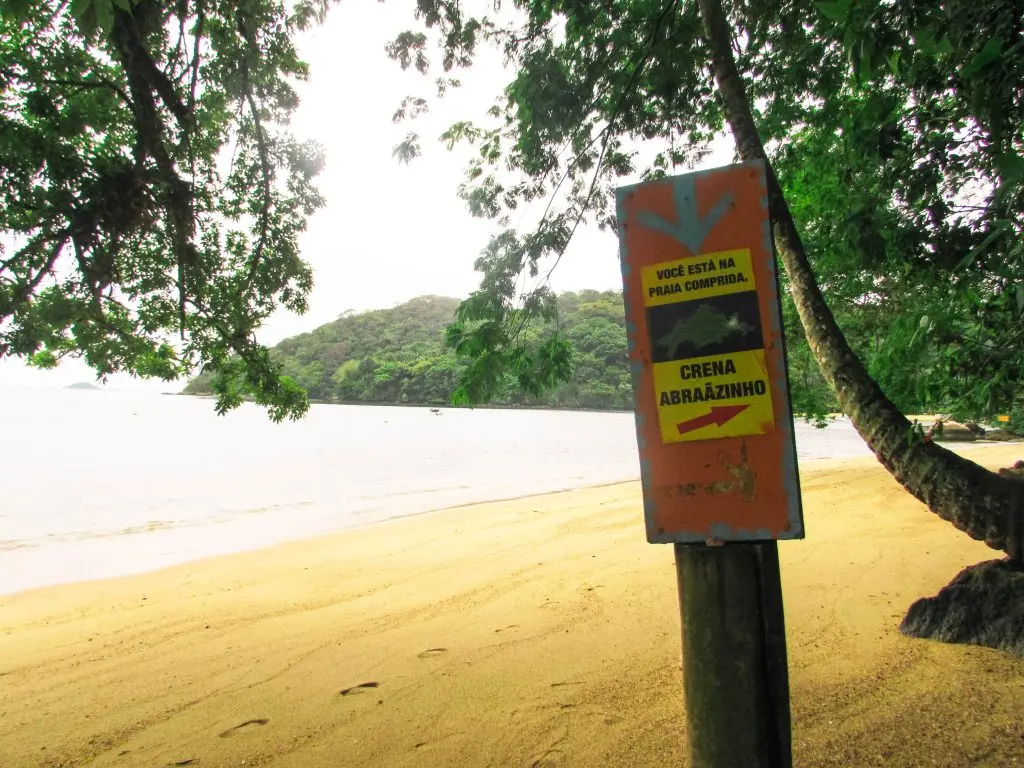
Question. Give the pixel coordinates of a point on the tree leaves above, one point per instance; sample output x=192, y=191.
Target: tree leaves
x=409, y=49
x=98, y=15
x=892, y=172
x=127, y=227
x=1010, y=166
x=560, y=124
x=411, y=107
x=989, y=53
x=836, y=11
x=406, y=355
x=932, y=42
x=408, y=149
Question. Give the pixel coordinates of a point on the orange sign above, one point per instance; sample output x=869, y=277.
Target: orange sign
x=707, y=356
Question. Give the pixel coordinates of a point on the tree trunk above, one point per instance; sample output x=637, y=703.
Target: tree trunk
x=984, y=505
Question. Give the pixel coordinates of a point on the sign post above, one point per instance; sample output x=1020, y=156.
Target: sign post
x=715, y=436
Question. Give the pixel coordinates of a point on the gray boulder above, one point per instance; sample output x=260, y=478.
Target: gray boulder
x=953, y=432
x=1017, y=470
x=1000, y=435
x=983, y=605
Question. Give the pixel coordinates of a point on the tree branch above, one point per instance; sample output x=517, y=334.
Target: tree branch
x=603, y=136
x=86, y=84
x=182, y=10
x=133, y=50
x=25, y=290
x=175, y=193
x=640, y=66
x=196, y=56
x=261, y=148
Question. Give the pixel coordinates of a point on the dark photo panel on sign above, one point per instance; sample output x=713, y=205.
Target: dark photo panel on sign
x=705, y=327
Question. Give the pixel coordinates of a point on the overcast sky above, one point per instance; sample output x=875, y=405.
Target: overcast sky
x=388, y=232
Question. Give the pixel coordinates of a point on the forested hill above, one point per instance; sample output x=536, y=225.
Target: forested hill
x=397, y=356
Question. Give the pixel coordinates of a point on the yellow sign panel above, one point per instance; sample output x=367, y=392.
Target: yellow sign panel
x=707, y=348
x=698, y=277
x=711, y=397
x=1003, y=418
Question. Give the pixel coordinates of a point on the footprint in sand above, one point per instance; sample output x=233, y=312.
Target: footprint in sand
x=352, y=691
x=550, y=757
x=247, y=725
x=510, y=626
x=431, y=652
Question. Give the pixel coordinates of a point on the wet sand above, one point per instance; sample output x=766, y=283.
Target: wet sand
x=537, y=632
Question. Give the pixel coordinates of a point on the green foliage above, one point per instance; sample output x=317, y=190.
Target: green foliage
x=895, y=130
x=809, y=393
x=149, y=188
x=909, y=199
x=415, y=354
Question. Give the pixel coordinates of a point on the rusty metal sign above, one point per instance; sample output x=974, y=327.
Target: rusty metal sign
x=707, y=357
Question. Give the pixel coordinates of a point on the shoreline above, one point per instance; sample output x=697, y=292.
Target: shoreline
x=303, y=537
x=573, y=409
x=298, y=538
x=811, y=465
x=540, y=631
x=436, y=406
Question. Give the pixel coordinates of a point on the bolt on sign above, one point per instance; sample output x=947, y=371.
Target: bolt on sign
x=707, y=357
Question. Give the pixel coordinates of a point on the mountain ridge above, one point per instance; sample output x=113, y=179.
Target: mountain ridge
x=397, y=356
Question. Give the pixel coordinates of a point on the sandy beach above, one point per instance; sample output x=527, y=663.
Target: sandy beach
x=542, y=631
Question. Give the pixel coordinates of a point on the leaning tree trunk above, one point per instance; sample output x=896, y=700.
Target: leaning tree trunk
x=984, y=505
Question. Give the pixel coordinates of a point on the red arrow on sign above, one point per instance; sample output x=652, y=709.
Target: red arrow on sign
x=719, y=415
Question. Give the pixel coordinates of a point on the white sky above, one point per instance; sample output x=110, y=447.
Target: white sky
x=388, y=232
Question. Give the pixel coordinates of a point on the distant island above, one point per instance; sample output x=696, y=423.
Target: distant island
x=397, y=357
x=83, y=385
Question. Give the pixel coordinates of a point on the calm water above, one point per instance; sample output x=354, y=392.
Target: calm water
x=96, y=484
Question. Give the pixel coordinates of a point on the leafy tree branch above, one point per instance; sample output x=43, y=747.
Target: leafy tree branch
x=125, y=230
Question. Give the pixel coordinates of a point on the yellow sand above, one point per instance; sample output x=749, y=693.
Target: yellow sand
x=537, y=632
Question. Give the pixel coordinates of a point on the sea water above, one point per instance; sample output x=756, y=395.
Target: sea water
x=103, y=483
